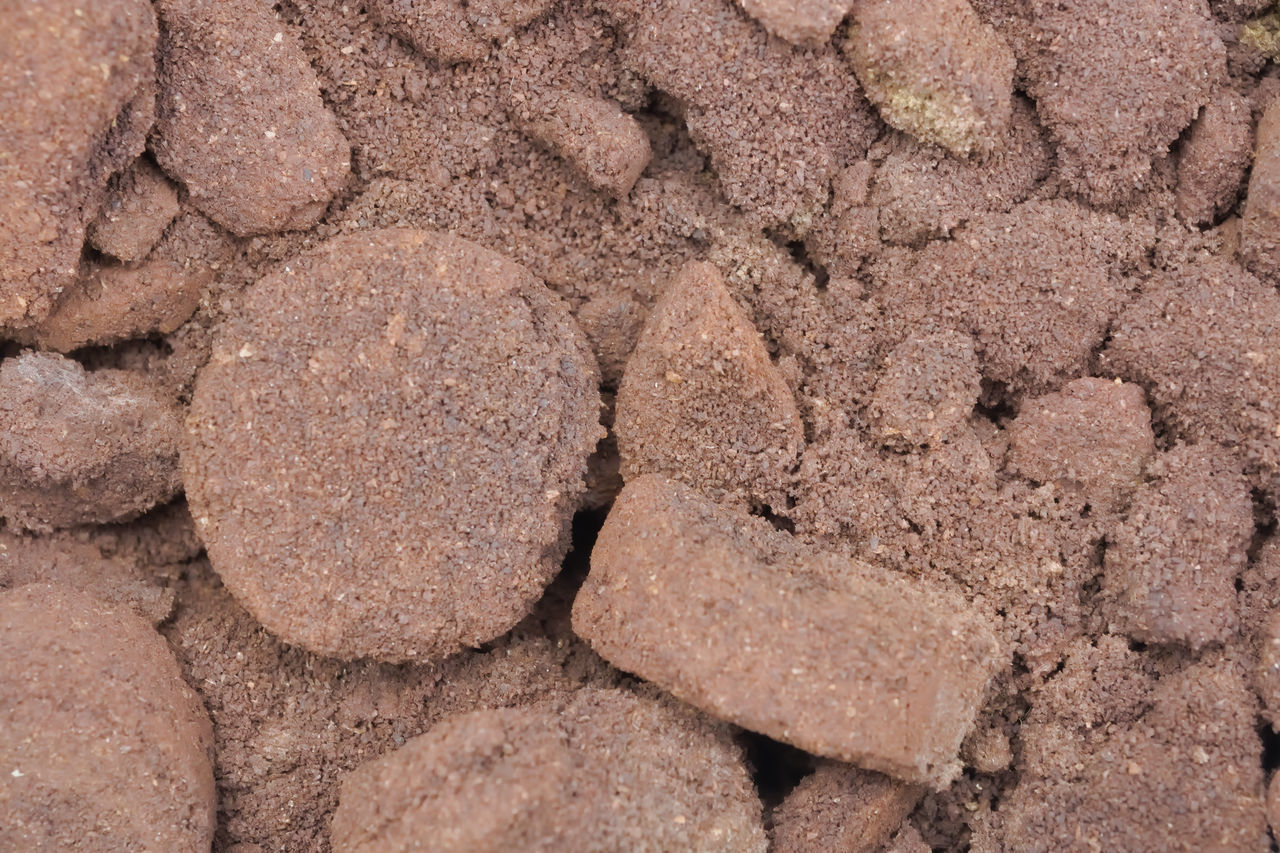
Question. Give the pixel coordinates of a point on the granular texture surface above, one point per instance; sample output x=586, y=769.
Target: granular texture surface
x=78, y=446
x=1116, y=81
x=871, y=669
x=110, y=302
x=921, y=192
x=799, y=21
x=1258, y=242
x=289, y=725
x=455, y=30
x=102, y=745
x=1214, y=156
x=240, y=121
x=711, y=57
x=64, y=558
x=549, y=778
x=1118, y=759
x=702, y=402
x=934, y=69
x=140, y=204
x=76, y=106
x=841, y=809
x=1202, y=341
x=1093, y=439
x=964, y=309
x=1172, y=565
x=927, y=391
x=387, y=444
x=607, y=146
x=1036, y=287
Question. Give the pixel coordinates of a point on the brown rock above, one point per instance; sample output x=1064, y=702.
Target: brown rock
x=1214, y=157
x=114, y=302
x=604, y=144
x=923, y=192
x=80, y=113
x=79, y=447
x=821, y=652
x=776, y=137
x=102, y=745
x=1170, y=766
x=1260, y=589
x=702, y=402
x=388, y=444
x=240, y=121
x=1266, y=678
x=799, y=21
x=601, y=770
x=289, y=725
x=908, y=840
x=942, y=512
x=935, y=70
x=164, y=536
x=454, y=30
x=1259, y=245
x=927, y=391
x=1116, y=81
x=141, y=202
x=1091, y=439
x=1204, y=341
x=841, y=809
x=1036, y=287
x=987, y=750
x=1172, y=565
x=63, y=559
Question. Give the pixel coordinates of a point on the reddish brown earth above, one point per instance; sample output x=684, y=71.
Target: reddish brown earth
x=916, y=364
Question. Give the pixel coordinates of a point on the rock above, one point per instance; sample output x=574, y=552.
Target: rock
x=239, y=119
x=935, y=70
x=102, y=745
x=700, y=399
x=861, y=665
x=80, y=114
x=79, y=447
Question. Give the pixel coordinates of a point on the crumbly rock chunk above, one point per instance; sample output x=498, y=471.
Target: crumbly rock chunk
x=80, y=114
x=103, y=746
x=80, y=447
x=928, y=389
x=1116, y=82
x=1172, y=566
x=864, y=666
x=249, y=137
x=388, y=444
x=600, y=770
x=702, y=402
x=1092, y=439
x=139, y=207
x=935, y=70
x=839, y=807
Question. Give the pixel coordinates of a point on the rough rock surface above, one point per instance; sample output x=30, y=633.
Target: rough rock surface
x=388, y=443
x=870, y=668
x=702, y=402
x=599, y=770
x=103, y=746
x=239, y=120
x=78, y=102
x=79, y=447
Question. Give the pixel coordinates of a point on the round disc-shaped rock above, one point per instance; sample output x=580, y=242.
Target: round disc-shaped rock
x=102, y=745
x=388, y=443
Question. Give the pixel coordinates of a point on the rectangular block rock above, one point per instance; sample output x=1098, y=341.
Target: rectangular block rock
x=744, y=622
